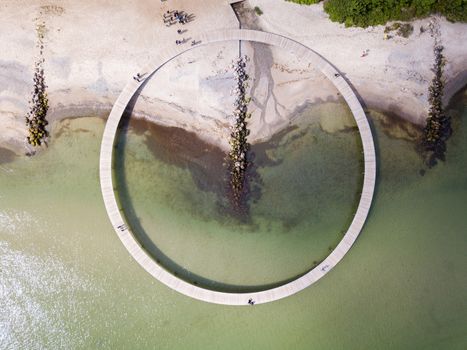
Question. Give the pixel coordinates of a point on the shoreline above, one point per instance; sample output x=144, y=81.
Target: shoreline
x=394, y=125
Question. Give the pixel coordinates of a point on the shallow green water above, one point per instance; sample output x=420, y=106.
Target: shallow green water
x=176, y=203
x=67, y=282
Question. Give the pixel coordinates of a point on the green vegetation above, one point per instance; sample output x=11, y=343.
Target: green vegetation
x=438, y=125
x=365, y=13
x=305, y=2
x=258, y=11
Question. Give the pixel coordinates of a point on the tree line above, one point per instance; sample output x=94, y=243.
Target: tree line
x=364, y=13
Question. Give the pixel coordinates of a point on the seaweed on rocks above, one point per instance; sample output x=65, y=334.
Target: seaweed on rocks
x=237, y=158
x=39, y=104
x=438, y=125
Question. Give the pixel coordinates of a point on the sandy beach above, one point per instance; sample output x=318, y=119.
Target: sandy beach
x=93, y=48
x=68, y=282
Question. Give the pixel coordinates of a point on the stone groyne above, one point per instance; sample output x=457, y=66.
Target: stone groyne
x=237, y=159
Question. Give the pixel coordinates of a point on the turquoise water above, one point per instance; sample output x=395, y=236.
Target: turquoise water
x=68, y=283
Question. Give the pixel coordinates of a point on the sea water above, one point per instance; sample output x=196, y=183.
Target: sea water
x=67, y=282
x=172, y=190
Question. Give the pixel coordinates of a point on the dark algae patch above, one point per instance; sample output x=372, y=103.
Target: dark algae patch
x=186, y=150
x=6, y=156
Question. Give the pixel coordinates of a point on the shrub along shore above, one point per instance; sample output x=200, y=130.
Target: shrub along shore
x=364, y=13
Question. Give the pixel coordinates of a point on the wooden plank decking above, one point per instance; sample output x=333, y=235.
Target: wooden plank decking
x=147, y=262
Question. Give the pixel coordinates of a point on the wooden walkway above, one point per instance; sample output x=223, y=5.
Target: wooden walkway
x=146, y=261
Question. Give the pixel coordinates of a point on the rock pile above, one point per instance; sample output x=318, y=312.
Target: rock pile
x=237, y=158
x=438, y=124
x=39, y=104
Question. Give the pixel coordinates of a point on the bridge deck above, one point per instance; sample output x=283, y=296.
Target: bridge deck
x=141, y=256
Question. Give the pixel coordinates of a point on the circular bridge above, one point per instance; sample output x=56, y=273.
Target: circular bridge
x=116, y=215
